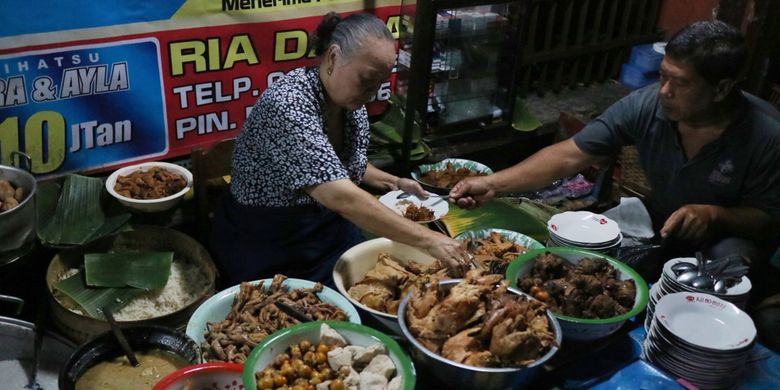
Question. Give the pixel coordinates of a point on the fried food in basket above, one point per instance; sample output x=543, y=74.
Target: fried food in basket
x=449, y=176
x=155, y=183
x=10, y=197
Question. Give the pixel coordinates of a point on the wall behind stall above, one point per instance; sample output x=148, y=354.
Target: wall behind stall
x=676, y=14
x=89, y=86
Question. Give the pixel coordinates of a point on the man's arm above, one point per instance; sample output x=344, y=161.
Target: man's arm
x=538, y=171
x=556, y=161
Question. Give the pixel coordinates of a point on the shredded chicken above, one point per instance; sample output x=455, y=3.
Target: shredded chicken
x=253, y=317
x=477, y=322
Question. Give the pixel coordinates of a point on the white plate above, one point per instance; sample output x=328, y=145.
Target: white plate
x=584, y=227
x=594, y=247
x=440, y=207
x=705, y=321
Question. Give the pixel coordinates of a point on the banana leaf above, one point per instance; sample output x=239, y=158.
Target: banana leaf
x=389, y=128
x=76, y=212
x=140, y=269
x=494, y=215
x=93, y=299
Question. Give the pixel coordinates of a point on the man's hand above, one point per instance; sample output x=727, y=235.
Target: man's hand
x=691, y=223
x=472, y=192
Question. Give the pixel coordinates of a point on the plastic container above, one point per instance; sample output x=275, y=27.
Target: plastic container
x=634, y=77
x=645, y=58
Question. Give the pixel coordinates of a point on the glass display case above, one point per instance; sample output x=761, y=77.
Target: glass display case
x=457, y=65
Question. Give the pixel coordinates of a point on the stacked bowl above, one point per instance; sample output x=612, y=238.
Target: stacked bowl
x=737, y=294
x=584, y=230
x=700, y=338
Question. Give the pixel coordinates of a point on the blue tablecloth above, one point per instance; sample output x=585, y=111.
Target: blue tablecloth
x=619, y=366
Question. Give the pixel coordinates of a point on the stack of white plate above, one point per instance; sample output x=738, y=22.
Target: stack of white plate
x=737, y=294
x=585, y=230
x=700, y=338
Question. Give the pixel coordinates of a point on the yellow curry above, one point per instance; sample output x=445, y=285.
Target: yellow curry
x=119, y=374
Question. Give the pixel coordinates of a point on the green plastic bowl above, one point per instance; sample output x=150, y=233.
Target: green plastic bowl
x=278, y=342
x=584, y=328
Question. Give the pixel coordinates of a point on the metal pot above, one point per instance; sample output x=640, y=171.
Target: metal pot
x=16, y=354
x=17, y=225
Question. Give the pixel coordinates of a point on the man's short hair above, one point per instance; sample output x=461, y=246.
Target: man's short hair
x=715, y=49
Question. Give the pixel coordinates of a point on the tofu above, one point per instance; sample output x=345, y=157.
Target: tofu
x=362, y=355
x=396, y=383
x=372, y=381
x=339, y=357
x=328, y=336
x=381, y=365
x=353, y=379
x=324, y=386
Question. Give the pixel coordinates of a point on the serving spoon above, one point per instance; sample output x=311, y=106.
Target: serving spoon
x=702, y=280
x=120, y=337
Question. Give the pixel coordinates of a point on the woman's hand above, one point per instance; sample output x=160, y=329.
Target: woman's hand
x=412, y=187
x=451, y=252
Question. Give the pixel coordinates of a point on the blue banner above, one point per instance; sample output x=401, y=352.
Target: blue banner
x=41, y=16
x=120, y=110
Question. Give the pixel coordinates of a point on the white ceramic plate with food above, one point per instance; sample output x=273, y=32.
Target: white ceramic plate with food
x=436, y=204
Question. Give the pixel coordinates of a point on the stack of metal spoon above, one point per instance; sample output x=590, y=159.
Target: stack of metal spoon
x=716, y=275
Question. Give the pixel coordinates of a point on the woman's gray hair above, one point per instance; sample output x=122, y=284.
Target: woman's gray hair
x=349, y=33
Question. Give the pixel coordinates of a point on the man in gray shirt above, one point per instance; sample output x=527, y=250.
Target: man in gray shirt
x=710, y=151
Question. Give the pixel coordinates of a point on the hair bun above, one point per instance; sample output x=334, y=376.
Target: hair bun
x=321, y=38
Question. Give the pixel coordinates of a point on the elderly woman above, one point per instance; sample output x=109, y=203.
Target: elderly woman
x=295, y=200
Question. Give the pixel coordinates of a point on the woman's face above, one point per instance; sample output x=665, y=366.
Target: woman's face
x=356, y=79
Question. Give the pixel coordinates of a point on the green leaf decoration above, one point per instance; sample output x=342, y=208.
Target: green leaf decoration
x=93, y=299
x=497, y=214
x=146, y=270
x=390, y=126
x=522, y=119
x=77, y=212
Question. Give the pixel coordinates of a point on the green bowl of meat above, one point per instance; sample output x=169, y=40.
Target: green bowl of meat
x=591, y=294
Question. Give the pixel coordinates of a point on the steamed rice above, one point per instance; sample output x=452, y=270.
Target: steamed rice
x=185, y=285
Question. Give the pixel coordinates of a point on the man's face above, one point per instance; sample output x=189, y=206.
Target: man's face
x=685, y=96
